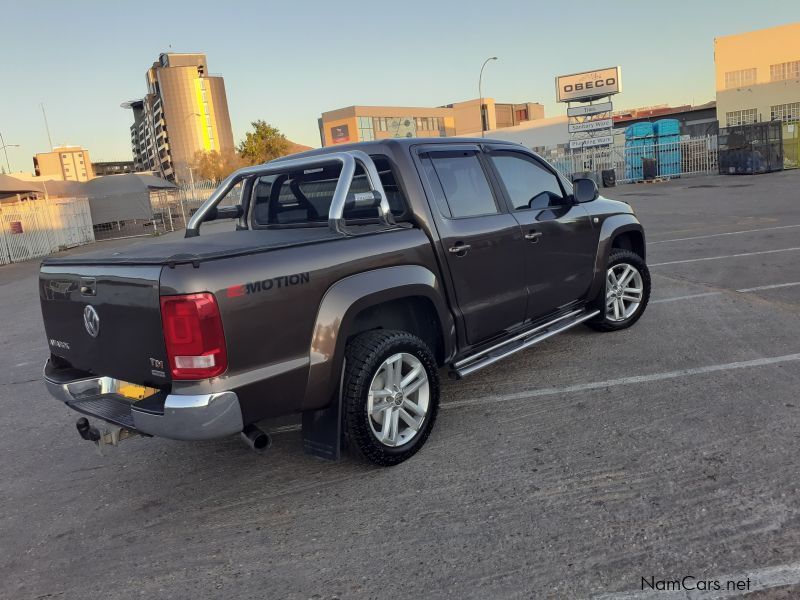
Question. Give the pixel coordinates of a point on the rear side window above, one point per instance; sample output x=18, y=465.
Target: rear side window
x=305, y=197
x=459, y=178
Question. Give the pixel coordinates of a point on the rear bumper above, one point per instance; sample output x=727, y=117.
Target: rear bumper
x=196, y=417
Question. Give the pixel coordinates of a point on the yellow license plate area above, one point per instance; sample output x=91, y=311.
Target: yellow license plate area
x=135, y=392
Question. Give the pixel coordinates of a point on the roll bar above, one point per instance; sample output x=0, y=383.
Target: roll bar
x=336, y=222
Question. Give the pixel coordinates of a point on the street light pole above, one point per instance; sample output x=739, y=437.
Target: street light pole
x=480, y=94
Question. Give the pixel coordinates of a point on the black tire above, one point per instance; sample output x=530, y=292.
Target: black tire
x=364, y=356
x=602, y=322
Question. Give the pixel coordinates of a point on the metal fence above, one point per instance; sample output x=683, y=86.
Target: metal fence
x=171, y=210
x=791, y=145
x=34, y=228
x=684, y=157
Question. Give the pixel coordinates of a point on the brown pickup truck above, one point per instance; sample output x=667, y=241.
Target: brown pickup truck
x=353, y=276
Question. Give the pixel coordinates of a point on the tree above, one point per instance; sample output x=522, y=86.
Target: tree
x=215, y=166
x=263, y=144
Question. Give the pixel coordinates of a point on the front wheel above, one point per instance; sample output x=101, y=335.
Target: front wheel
x=390, y=394
x=626, y=292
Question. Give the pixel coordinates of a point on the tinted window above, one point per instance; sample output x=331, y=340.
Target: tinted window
x=305, y=197
x=528, y=184
x=464, y=184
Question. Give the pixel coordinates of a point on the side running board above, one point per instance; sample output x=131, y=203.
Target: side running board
x=523, y=340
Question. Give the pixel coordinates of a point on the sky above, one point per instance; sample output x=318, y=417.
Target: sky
x=287, y=62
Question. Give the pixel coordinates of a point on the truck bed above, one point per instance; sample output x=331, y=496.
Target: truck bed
x=204, y=247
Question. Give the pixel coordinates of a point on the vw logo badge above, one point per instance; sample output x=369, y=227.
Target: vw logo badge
x=91, y=320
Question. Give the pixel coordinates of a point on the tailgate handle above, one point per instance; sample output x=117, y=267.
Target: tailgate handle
x=88, y=286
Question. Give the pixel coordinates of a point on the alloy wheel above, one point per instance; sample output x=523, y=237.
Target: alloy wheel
x=624, y=292
x=398, y=399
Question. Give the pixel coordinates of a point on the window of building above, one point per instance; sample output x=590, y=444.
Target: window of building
x=460, y=179
x=428, y=123
x=528, y=184
x=63, y=156
x=366, y=132
x=379, y=123
x=741, y=78
x=741, y=117
x=785, y=112
x=784, y=71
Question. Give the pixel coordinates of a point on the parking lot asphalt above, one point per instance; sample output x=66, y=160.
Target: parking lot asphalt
x=572, y=470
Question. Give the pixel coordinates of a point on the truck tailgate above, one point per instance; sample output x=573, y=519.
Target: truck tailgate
x=123, y=337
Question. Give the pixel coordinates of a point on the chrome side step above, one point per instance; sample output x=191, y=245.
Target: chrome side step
x=524, y=340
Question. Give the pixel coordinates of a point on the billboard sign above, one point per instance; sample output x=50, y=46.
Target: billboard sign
x=580, y=87
x=590, y=125
x=603, y=140
x=589, y=109
x=340, y=134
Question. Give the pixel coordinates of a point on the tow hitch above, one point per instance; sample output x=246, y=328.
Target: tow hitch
x=109, y=436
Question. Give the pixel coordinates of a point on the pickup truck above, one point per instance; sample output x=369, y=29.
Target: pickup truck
x=349, y=278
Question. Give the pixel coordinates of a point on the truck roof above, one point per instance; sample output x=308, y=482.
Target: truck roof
x=401, y=144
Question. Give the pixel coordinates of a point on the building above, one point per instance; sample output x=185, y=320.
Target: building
x=696, y=121
x=539, y=134
x=364, y=123
x=550, y=137
x=115, y=167
x=758, y=76
x=67, y=163
x=184, y=112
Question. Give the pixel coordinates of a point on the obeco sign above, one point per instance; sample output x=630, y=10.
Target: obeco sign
x=591, y=84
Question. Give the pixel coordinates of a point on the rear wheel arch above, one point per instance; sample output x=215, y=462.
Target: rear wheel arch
x=416, y=315
x=407, y=297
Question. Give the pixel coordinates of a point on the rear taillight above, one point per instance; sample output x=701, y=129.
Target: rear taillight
x=193, y=335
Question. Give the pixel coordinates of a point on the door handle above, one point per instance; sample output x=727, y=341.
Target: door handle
x=533, y=236
x=459, y=249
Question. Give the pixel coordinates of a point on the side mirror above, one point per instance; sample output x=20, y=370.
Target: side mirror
x=224, y=212
x=584, y=190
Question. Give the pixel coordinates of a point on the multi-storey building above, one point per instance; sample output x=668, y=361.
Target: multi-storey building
x=758, y=76
x=70, y=163
x=184, y=112
x=363, y=123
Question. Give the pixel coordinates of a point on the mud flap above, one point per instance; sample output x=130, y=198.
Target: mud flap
x=322, y=429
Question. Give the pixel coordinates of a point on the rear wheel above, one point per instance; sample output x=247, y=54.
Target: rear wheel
x=390, y=395
x=625, y=294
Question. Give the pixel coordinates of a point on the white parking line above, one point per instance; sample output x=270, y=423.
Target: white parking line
x=689, y=297
x=758, y=579
x=769, y=287
x=691, y=260
x=596, y=385
x=711, y=235
x=582, y=387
